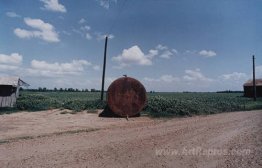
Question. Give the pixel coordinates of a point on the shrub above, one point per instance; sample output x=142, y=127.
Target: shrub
x=36, y=102
x=158, y=104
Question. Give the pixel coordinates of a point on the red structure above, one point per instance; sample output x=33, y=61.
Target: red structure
x=248, y=88
x=126, y=97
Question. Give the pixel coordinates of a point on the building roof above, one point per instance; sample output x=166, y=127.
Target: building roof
x=250, y=82
x=14, y=81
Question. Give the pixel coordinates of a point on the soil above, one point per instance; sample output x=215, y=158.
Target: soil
x=51, y=139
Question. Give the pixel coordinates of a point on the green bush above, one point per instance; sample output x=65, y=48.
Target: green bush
x=158, y=104
x=76, y=105
x=199, y=103
x=79, y=105
x=36, y=103
x=95, y=104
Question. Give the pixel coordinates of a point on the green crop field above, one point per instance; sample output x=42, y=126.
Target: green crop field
x=158, y=104
x=177, y=104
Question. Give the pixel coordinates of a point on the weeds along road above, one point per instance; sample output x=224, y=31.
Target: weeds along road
x=84, y=140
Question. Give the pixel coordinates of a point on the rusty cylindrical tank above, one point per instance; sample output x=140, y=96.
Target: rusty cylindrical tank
x=126, y=97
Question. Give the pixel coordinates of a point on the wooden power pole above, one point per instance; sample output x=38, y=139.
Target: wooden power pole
x=104, y=70
x=254, y=80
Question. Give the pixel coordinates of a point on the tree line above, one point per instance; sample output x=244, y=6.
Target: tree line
x=44, y=89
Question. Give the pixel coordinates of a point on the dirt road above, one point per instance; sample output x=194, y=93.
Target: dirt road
x=51, y=139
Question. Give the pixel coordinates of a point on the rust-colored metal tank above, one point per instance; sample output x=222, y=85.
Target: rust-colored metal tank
x=126, y=97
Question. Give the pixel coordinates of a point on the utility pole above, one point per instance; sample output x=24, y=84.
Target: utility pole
x=104, y=70
x=254, y=80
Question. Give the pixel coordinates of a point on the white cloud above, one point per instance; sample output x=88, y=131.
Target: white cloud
x=191, y=80
x=168, y=78
x=53, y=5
x=8, y=67
x=132, y=55
x=110, y=36
x=106, y=3
x=85, y=28
x=161, y=47
x=195, y=75
x=81, y=21
x=189, y=52
x=88, y=36
x=165, y=52
x=14, y=58
x=259, y=71
x=12, y=14
x=232, y=81
x=152, y=54
x=190, y=76
x=75, y=65
x=163, y=78
x=151, y=79
x=10, y=62
x=100, y=36
x=44, y=31
x=235, y=80
x=174, y=51
x=236, y=76
x=96, y=67
x=84, y=31
x=46, y=69
x=207, y=53
x=23, y=33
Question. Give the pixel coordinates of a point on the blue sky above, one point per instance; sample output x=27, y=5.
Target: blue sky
x=169, y=45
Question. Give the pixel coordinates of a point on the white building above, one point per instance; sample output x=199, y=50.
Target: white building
x=9, y=90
